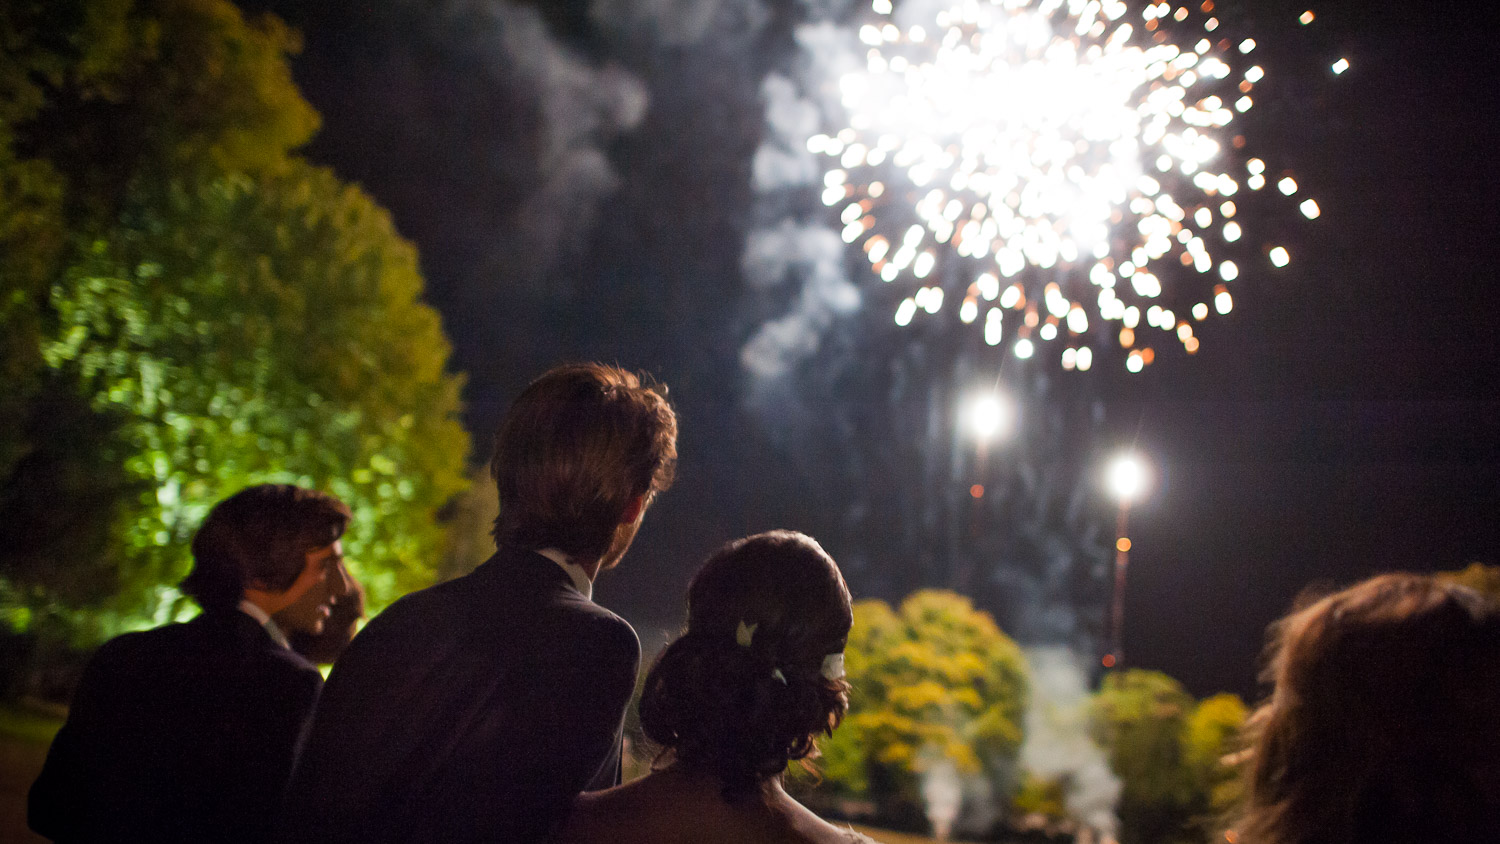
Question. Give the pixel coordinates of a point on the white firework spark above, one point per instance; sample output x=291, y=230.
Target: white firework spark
x=1058, y=161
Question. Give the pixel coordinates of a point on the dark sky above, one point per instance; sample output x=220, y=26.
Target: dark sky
x=577, y=177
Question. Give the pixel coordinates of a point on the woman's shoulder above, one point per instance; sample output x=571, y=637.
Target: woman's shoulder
x=841, y=834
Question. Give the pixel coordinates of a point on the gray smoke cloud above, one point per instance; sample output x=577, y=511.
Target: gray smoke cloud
x=579, y=108
x=943, y=793
x=788, y=251
x=680, y=22
x=524, y=125
x=1058, y=745
x=782, y=256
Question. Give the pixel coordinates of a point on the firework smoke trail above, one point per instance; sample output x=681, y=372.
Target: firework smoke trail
x=1057, y=166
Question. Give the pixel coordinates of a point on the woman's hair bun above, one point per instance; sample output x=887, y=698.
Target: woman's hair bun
x=741, y=693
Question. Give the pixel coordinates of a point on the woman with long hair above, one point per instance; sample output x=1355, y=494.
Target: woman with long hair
x=749, y=686
x=1384, y=723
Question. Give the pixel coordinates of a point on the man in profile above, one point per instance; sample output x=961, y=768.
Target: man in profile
x=188, y=732
x=477, y=709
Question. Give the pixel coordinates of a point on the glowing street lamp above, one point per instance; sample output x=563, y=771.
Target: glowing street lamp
x=990, y=415
x=1127, y=477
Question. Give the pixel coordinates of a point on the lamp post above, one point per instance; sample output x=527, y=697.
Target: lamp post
x=1127, y=477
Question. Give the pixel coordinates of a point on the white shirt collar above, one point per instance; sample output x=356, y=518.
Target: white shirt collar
x=249, y=608
x=575, y=573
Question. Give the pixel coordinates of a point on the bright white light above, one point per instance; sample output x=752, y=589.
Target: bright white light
x=1310, y=209
x=1043, y=143
x=1279, y=257
x=1126, y=477
x=1340, y=66
x=990, y=415
x=905, y=311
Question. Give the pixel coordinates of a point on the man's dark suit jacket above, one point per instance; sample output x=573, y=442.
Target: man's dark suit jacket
x=471, y=711
x=185, y=733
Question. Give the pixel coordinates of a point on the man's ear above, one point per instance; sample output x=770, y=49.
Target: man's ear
x=634, y=509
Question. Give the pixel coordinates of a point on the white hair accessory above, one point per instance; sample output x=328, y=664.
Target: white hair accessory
x=745, y=634
x=833, y=666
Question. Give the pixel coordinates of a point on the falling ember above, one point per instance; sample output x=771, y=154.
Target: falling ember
x=1075, y=153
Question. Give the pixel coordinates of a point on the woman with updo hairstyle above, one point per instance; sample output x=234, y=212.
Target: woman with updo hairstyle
x=755, y=679
x=1384, y=723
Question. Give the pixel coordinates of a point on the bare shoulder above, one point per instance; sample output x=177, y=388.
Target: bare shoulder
x=665, y=810
x=814, y=830
x=610, y=815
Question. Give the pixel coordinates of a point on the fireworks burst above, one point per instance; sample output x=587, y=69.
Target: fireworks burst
x=1059, y=161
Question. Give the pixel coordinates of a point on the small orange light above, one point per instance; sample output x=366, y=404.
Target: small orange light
x=1108, y=661
x=977, y=490
x=1122, y=544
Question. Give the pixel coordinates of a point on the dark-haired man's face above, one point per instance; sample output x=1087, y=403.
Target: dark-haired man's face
x=322, y=582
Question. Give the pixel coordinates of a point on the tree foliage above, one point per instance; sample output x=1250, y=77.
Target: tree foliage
x=1168, y=751
x=205, y=311
x=934, y=679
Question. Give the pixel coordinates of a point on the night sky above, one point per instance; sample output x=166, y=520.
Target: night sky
x=577, y=177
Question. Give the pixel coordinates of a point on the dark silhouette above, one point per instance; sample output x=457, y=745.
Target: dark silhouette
x=1384, y=724
x=747, y=689
x=475, y=710
x=188, y=733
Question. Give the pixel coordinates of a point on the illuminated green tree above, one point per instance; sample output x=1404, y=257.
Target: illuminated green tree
x=1140, y=717
x=1211, y=739
x=934, y=679
x=202, y=310
x=1168, y=751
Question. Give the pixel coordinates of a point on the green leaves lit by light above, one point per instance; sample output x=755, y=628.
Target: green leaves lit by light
x=193, y=310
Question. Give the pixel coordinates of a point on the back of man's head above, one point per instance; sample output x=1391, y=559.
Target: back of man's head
x=579, y=444
x=260, y=536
